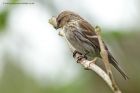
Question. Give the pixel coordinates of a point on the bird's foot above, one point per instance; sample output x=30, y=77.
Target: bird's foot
x=80, y=57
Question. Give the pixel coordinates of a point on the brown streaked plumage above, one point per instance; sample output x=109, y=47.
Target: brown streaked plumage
x=81, y=35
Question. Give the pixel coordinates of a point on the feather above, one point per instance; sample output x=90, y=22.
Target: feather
x=89, y=32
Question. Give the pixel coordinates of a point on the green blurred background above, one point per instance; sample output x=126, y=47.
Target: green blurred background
x=34, y=59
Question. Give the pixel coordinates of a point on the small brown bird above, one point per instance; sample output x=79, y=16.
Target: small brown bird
x=82, y=36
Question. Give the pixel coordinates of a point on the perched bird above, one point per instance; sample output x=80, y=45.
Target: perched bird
x=82, y=37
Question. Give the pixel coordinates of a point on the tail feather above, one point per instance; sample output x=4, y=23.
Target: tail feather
x=116, y=65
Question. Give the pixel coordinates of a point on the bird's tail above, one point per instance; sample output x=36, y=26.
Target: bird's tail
x=116, y=65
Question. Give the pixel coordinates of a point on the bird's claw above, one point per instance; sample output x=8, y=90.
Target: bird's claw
x=75, y=52
x=81, y=56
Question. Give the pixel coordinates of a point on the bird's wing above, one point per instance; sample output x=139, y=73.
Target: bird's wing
x=83, y=33
x=89, y=33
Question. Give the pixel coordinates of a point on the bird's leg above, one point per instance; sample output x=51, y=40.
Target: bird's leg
x=91, y=62
x=79, y=57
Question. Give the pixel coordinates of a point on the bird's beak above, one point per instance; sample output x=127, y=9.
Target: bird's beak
x=53, y=22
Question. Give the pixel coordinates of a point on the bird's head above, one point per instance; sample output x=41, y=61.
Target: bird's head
x=63, y=18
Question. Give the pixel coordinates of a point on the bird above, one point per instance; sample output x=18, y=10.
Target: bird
x=81, y=35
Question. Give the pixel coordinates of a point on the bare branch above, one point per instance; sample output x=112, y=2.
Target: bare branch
x=105, y=59
x=90, y=64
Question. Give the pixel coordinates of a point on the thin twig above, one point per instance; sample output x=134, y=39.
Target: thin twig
x=105, y=59
x=90, y=64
